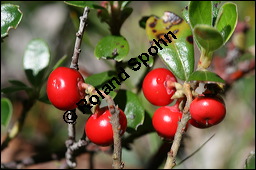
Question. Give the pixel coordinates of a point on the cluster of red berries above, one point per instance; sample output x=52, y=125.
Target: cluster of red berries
x=64, y=90
x=158, y=89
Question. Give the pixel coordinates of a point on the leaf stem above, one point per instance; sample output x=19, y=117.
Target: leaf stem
x=205, y=59
x=115, y=21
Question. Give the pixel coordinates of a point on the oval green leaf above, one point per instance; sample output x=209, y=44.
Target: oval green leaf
x=35, y=60
x=126, y=12
x=142, y=21
x=81, y=4
x=133, y=109
x=10, y=18
x=13, y=89
x=17, y=83
x=208, y=37
x=104, y=81
x=227, y=20
x=205, y=76
x=178, y=54
x=200, y=12
x=44, y=99
x=6, y=111
x=16, y=86
x=124, y=4
x=112, y=47
x=250, y=161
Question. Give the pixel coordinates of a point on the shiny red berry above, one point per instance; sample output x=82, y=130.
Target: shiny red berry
x=198, y=125
x=165, y=121
x=207, y=110
x=99, y=129
x=63, y=88
x=156, y=86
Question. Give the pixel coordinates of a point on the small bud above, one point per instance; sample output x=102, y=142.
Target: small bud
x=178, y=94
x=178, y=86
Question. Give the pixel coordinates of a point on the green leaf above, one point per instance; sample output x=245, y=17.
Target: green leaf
x=17, y=83
x=16, y=86
x=103, y=15
x=227, y=20
x=205, y=76
x=185, y=14
x=143, y=21
x=150, y=61
x=35, y=61
x=6, y=111
x=44, y=99
x=81, y=4
x=133, y=109
x=112, y=47
x=123, y=4
x=104, y=78
x=200, y=12
x=60, y=62
x=178, y=55
x=250, y=161
x=98, y=6
x=126, y=12
x=208, y=37
x=12, y=89
x=10, y=18
x=215, y=11
x=98, y=79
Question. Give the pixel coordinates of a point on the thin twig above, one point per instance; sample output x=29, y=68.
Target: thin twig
x=170, y=162
x=114, y=120
x=35, y=159
x=91, y=156
x=70, y=142
x=117, y=155
x=70, y=160
x=78, y=148
x=79, y=37
x=72, y=147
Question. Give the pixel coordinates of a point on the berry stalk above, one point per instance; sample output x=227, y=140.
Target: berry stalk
x=170, y=162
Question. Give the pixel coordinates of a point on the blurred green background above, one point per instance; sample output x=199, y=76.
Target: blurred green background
x=44, y=129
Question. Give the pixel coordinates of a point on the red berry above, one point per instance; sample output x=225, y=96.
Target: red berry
x=165, y=121
x=99, y=129
x=198, y=125
x=207, y=110
x=63, y=88
x=155, y=86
